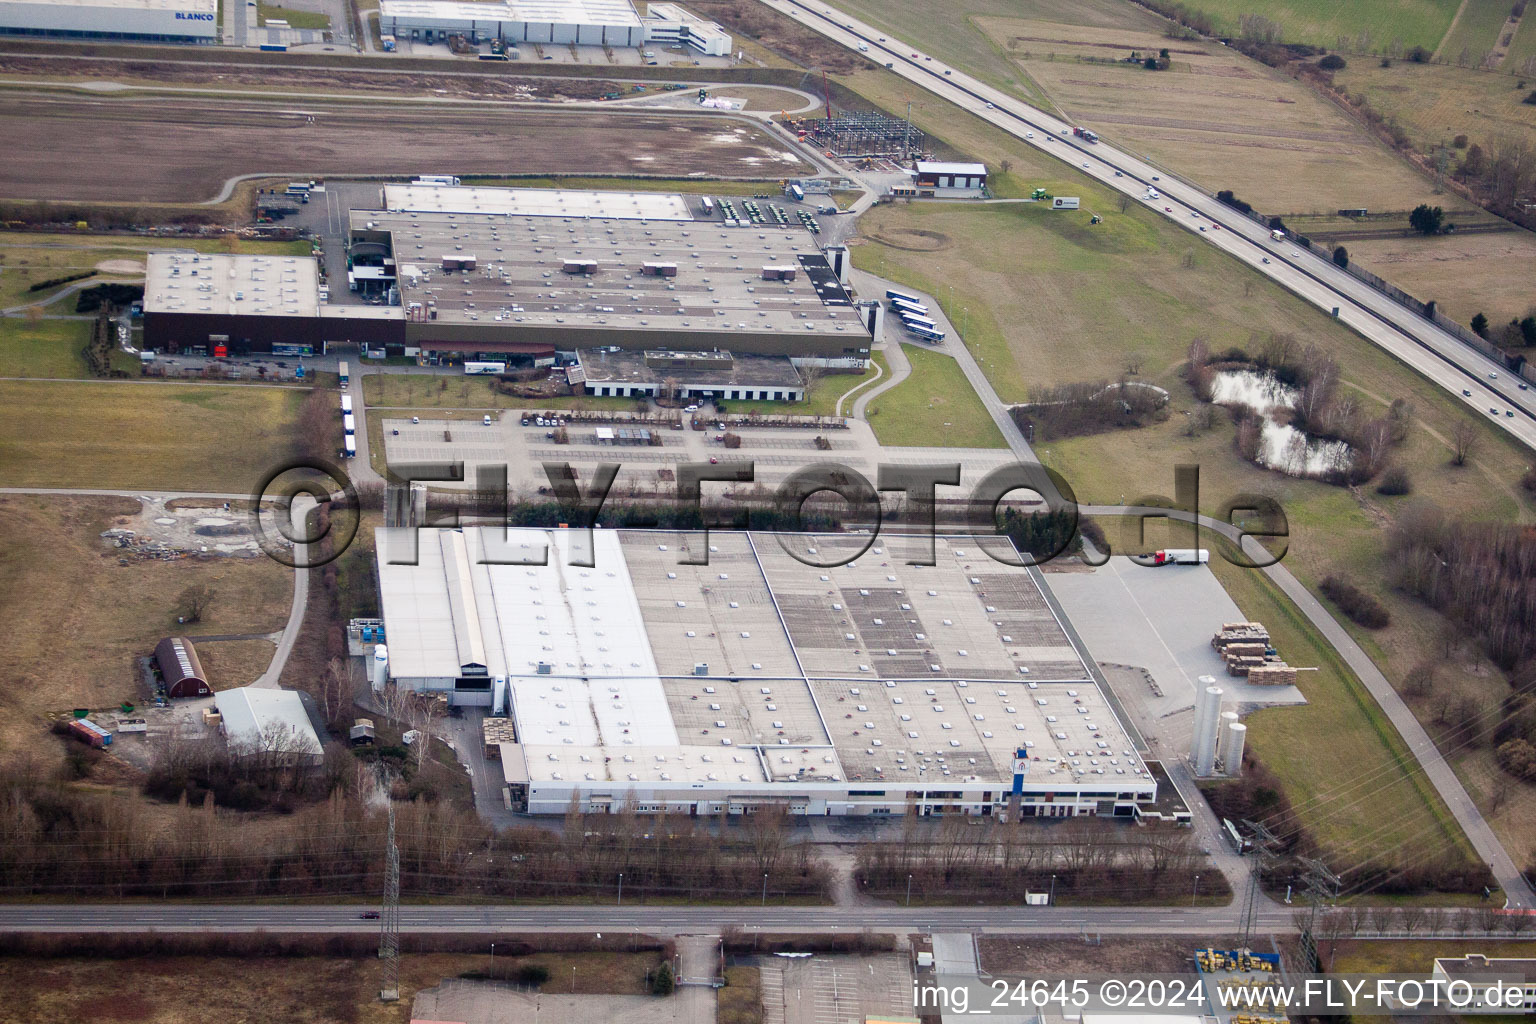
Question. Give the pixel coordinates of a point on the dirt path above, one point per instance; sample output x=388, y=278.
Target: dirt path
x=1451, y=30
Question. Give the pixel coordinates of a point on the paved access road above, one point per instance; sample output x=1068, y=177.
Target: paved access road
x=1413, y=339
x=660, y=919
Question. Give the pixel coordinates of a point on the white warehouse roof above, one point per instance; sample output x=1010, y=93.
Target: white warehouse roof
x=218, y=283
x=560, y=12
x=936, y=167
x=259, y=719
x=534, y=202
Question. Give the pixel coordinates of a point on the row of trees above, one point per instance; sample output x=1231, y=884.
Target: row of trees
x=59, y=840
x=970, y=860
x=1480, y=575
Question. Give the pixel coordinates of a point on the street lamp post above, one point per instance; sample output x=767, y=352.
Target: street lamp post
x=1196, y=893
x=765, y=889
x=621, y=889
x=1051, y=899
x=493, y=961
x=909, y=890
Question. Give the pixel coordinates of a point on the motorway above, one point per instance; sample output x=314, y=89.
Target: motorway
x=1413, y=339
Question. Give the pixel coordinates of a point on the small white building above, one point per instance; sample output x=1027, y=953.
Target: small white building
x=932, y=174
x=557, y=22
x=260, y=721
x=670, y=25
x=194, y=21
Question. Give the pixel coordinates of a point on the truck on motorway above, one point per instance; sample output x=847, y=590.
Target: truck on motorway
x=1181, y=556
x=1277, y=235
x=1085, y=134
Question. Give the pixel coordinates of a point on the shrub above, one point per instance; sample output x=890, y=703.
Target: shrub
x=1395, y=481
x=532, y=974
x=663, y=981
x=1480, y=325
x=1518, y=758
x=1332, y=62
x=1459, y=142
x=1419, y=55
x=1341, y=257
x=66, y=279
x=1356, y=603
x=1530, y=98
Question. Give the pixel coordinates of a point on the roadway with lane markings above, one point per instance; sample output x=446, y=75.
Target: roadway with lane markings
x=1413, y=339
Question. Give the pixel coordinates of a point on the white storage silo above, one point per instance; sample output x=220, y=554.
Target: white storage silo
x=1232, y=748
x=1227, y=718
x=499, y=696
x=380, y=668
x=1207, y=722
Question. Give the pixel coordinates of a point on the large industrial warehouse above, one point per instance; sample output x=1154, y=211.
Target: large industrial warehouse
x=190, y=21
x=582, y=22
x=632, y=679
x=530, y=274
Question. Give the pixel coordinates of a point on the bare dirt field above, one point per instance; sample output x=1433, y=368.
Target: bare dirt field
x=1029, y=954
x=1214, y=116
x=63, y=582
x=1466, y=274
x=67, y=148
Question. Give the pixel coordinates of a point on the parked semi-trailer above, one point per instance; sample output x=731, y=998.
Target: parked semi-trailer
x=1182, y=556
x=89, y=732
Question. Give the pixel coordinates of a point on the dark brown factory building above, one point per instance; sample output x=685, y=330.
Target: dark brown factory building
x=178, y=664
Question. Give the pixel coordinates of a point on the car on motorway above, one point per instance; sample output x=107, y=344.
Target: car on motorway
x=1264, y=259
x=1525, y=387
x=946, y=71
x=1063, y=131
x=1510, y=413
x=1295, y=254
x=1029, y=135
x=369, y=915
x=1202, y=227
x=1085, y=166
x=1492, y=375
x=1215, y=227
x=1493, y=410
x=1194, y=213
x=1156, y=178
x=1167, y=209
x=991, y=107
x=914, y=56
x=1119, y=174
x=882, y=39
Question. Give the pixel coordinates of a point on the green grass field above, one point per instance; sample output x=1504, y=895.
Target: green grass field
x=1381, y=801
x=1322, y=22
x=295, y=18
x=1046, y=298
x=935, y=406
x=50, y=348
x=1476, y=31
x=153, y=436
x=822, y=400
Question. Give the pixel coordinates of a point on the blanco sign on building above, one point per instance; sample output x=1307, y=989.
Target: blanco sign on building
x=1064, y=203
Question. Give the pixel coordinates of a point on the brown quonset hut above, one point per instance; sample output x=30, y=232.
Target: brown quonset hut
x=178, y=664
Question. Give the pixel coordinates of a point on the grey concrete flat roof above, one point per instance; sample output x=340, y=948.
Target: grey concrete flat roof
x=519, y=276
x=741, y=370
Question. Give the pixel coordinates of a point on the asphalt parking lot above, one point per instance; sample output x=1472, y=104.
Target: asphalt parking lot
x=1158, y=619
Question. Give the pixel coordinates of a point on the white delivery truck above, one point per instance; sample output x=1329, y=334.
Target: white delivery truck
x=1182, y=556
